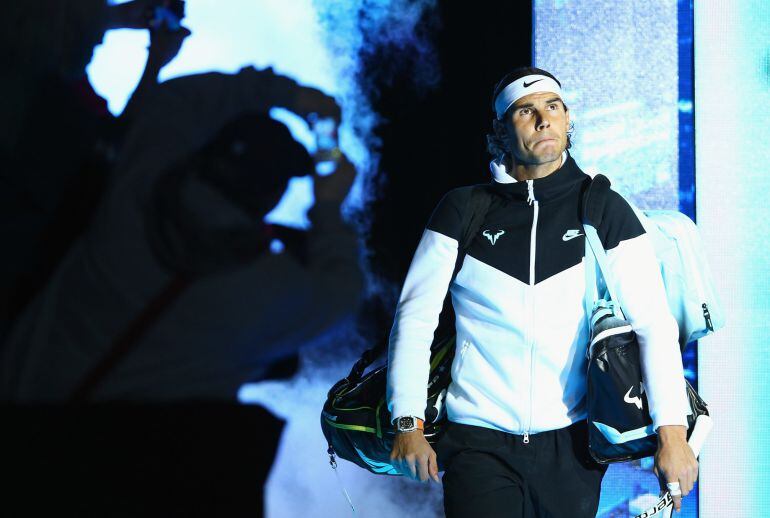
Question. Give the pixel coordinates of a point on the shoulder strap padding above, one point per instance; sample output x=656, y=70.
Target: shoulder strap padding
x=475, y=211
x=594, y=198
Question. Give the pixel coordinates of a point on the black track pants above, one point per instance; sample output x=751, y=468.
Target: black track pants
x=493, y=474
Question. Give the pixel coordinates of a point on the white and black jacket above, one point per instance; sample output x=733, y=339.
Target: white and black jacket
x=522, y=331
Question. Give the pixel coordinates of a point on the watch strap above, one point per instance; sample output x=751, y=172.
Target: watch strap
x=419, y=423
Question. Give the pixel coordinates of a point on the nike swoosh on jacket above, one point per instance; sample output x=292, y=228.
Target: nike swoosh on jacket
x=522, y=331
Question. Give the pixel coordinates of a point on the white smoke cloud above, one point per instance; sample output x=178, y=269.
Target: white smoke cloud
x=302, y=483
x=321, y=44
x=353, y=30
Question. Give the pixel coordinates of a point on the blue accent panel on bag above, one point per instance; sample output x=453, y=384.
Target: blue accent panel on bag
x=618, y=437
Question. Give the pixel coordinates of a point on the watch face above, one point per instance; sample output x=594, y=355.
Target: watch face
x=405, y=423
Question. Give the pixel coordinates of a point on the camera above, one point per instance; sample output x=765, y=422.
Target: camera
x=166, y=15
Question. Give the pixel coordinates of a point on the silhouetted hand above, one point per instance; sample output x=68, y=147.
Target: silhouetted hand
x=164, y=46
x=335, y=186
x=310, y=100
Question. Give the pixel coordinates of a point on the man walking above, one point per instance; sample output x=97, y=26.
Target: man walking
x=516, y=440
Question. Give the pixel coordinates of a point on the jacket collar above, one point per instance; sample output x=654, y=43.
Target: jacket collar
x=544, y=189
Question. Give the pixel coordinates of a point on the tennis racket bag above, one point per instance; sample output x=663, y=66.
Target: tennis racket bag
x=620, y=427
x=355, y=419
x=690, y=291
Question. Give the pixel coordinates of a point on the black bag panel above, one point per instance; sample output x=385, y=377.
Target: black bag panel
x=614, y=373
x=614, y=368
x=604, y=452
x=350, y=421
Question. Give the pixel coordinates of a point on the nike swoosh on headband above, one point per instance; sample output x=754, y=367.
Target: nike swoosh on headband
x=527, y=85
x=521, y=87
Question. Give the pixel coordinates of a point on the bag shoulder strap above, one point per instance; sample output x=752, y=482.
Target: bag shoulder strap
x=592, y=210
x=594, y=197
x=475, y=211
x=473, y=218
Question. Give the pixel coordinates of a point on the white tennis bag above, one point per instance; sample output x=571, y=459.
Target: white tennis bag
x=686, y=274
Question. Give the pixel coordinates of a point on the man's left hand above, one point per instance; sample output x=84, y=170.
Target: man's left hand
x=675, y=461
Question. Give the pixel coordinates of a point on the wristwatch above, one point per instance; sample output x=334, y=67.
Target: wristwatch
x=408, y=424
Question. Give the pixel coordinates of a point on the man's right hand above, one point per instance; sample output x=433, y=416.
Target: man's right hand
x=414, y=457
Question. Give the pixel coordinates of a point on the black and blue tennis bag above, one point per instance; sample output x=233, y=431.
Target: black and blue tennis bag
x=620, y=426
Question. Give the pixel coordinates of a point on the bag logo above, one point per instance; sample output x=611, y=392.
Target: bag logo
x=571, y=234
x=636, y=400
x=493, y=238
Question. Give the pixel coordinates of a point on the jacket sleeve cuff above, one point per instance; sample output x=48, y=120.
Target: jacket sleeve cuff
x=677, y=418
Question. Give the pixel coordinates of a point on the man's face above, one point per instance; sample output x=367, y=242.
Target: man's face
x=535, y=128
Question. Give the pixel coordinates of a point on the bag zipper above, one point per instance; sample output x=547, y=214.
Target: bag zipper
x=707, y=316
x=691, y=267
x=696, y=280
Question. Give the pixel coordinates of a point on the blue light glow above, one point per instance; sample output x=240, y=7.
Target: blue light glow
x=619, y=64
x=117, y=66
x=227, y=36
x=619, y=68
x=732, y=87
x=317, y=43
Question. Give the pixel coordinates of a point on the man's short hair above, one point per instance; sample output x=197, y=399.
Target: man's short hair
x=518, y=73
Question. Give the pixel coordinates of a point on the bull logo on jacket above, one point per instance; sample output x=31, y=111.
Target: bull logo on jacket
x=493, y=238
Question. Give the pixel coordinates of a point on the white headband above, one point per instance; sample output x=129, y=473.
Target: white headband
x=524, y=86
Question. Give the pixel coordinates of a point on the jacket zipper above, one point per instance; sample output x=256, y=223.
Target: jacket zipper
x=532, y=247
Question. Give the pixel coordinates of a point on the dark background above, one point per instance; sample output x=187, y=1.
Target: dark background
x=433, y=141
x=210, y=460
